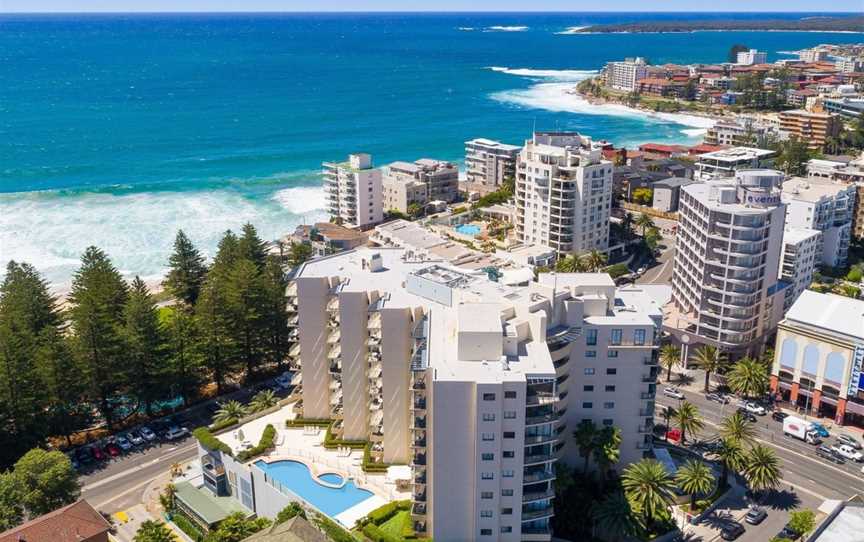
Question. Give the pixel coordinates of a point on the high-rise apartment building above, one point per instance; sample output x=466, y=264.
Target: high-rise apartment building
x=563, y=193
x=353, y=191
x=624, y=75
x=823, y=205
x=725, y=288
x=848, y=64
x=468, y=380
x=751, y=57
x=801, y=254
x=488, y=163
x=812, y=55
x=813, y=128
x=420, y=182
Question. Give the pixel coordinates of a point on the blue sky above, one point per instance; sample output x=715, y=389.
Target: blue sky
x=426, y=5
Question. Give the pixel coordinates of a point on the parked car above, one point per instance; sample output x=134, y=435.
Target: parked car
x=112, y=449
x=148, y=434
x=176, y=433
x=123, y=442
x=825, y=452
x=755, y=516
x=849, y=441
x=779, y=416
x=848, y=452
x=135, y=438
x=673, y=392
x=819, y=429
x=73, y=460
x=98, y=454
x=755, y=408
x=749, y=416
x=718, y=397
x=787, y=532
x=84, y=455
x=732, y=531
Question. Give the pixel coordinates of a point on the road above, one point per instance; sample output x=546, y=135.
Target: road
x=807, y=480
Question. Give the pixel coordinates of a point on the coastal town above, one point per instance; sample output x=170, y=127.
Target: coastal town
x=559, y=338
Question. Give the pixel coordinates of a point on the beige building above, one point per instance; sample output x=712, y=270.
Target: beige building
x=814, y=128
x=488, y=163
x=353, y=191
x=402, y=186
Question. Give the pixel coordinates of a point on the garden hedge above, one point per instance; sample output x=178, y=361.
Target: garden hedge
x=206, y=438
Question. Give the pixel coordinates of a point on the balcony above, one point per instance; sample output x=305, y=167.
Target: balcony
x=536, y=399
x=420, y=404
x=538, y=495
x=535, y=477
x=419, y=459
x=531, y=515
x=538, y=458
x=418, y=509
x=418, y=423
x=544, y=418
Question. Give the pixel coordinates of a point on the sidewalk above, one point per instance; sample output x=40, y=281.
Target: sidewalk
x=735, y=504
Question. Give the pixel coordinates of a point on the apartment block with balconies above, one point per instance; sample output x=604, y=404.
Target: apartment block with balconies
x=563, y=193
x=488, y=163
x=353, y=191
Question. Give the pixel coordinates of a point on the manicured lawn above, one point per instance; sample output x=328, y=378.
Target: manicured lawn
x=395, y=524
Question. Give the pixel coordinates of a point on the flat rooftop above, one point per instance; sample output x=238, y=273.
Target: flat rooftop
x=493, y=143
x=813, y=189
x=736, y=153
x=845, y=524
x=835, y=314
x=797, y=235
x=702, y=192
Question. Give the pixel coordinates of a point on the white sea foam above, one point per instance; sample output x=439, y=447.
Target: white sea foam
x=466, y=28
x=498, y=28
x=694, y=132
x=51, y=231
x=556, y=75
x=571, y=30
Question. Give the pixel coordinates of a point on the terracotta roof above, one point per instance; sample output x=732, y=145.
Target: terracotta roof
x=703, y=148
x=659, y=147
x=73, y=523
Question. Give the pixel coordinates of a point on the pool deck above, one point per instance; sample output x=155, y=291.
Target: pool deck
x=349, y=517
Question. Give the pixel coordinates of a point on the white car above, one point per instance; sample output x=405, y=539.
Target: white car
x=124, y=443
x=848, y=452
x=176, y=433
x=147, y=433
x=849, y=441
x=674, y=393
x=754, y=408
x=135, y=438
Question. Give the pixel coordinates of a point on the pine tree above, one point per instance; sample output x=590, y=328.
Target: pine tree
x=145, y=347
x=251, y=247
x=227, y=253
x=184, y=356
x=245, y=295
x=216, y=337
x=187, y=271
x=63, y=386
x=98, y=297
x=275, y=313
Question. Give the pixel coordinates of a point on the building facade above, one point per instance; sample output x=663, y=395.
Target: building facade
x=725, y=289
x=353, y=191
x=626, y=74
x=818, y=357
x=751, y=57
x=814, y=128
x=563, y=193
x=726, y=162
x=802, y=253
x=488, y=163
x=402, y=188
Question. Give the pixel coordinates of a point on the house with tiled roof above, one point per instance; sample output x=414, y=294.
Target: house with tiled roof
x=77, y=522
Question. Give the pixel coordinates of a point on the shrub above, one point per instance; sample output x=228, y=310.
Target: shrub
x=383, y=513
x=302, y=422
x=372, y=532
x=331, y=442
x=855, y=274
x=206, y=438
x=617, y=270
x=219, y=426
x=369, y=465
x=267, y=439
x=332, y=529
x=191, y=530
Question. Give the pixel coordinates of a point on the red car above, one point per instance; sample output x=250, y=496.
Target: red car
x=98, y=454
x=112, y=449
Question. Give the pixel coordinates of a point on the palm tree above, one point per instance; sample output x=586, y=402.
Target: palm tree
x=648, y=488
x=153, y=531
x=749, y=377
x=263, y=399
x=585, y=436
x=688, y=419
x=667, y=413
x=569, y=264
x=644, y=222
x=670, y=356
x=694, y=478
x=710, y=359
x=232, y=410
x=595, y=260
x=607, y=449
x=762, y=468
x=732, y=457
x=737, y=428
x=627, y=226
x=614, y=517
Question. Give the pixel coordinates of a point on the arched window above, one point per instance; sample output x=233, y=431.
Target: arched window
x=811, y=359
x=835, y=367
x=788, y=353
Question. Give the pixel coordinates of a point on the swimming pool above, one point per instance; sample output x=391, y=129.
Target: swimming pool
x=295, y=477
x=468, y=229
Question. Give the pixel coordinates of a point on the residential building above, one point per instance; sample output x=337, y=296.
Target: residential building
x=401, y=187
x=741, y=131
x=296, y=529
x=666, y=193
x=801, y=254
x=814, y=128
x=813, y=55
x=851, y=172
x=843, y=523
x=324, y=238
x=661, y=87
x=824, y=205
x=849, y=108
x=818, y=357
x=751, y=57
x=563, y=193
x=848, y=64
x=726, y=162
x=488, y=163
x=353, y=190
x=76, y=522
x=725, y=289
x=624, y=75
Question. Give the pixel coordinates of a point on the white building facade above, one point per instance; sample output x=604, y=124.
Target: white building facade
x=488, y=163
x=826, y=206
x=802, y=253
x=623, y=75
x=353, y=191
x=748, y=58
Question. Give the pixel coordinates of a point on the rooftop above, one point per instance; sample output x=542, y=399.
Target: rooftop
x=211, y=508
x=737, y=153
x=73, y=523
x=296, y=529
x=672, y=182
x=846, y=523
x=493, y=143
x=813, y=189
x=796, y=235
x=830, y=312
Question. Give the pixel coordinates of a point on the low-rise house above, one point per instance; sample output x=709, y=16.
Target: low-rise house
x=77, y=522
x=667, y=192
x=328, y=238
x=296, y=529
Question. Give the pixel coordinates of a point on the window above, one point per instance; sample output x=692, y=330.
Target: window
x=487, y=457
x=487, y=476
x=607, y=422
x=639, y=337
x=507, y=473
x=488, y=396
x=613, y=353
x=588, y=388
x=487, y=495
x=590, y=353
x=509, y=395
x=612, y=371
x=488, y=437
x=589, y=371
x=610, y=388
x=509, y=454
x=485, y=532
x=609, y=405
x=591, y=337
x=507, y=529
x=587, y=404
x=488, y=417
x=506, y=511
x=506, y=492
x=486, y=514
x=509, y=414
x=615, y=337
x=509, y=434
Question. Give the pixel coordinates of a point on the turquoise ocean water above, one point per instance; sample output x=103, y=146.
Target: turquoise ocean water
x=116, y=130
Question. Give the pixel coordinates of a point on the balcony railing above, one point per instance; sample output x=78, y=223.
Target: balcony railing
x=539, y=439
x=538, y=495
x=535, y=477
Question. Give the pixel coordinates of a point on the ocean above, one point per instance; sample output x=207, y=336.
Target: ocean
x=116, y=130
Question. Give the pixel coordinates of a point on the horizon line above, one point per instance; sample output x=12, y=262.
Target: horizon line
x=270, y=11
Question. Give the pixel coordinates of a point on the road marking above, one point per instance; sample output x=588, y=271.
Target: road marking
x=128, y=491
x=804, y=489
x=660, y=272
x=142, y=466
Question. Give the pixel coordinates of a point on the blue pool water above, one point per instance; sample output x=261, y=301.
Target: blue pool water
x=468, y=229
x=296, y=477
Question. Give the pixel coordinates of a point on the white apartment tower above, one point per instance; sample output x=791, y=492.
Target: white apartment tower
x=725, y=280
x=488, y=163
x=751, y=57
x=823, y=205
x=467, y=380
x=563, y=193
x=624, y=75
x=802, y=252
x=353, y=191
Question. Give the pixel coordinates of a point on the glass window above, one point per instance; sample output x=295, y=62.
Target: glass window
x=587, y=404
x=610, y=388
x=488, y=417
x=589, y=370
x=487, y=476
x=509, y=454
x=590, y=353
x=639, y=336
x=486, y=514
x=509, y=434
x=608, y=405
x=507, y=473
x=588, y=388
x=607, y=421
x=488, y=436
x=487, y=457
x=510, y=395
x=486, y=495
x=507, y=512
x=506, y=529
x=591, y=337
x=612, y=371
x=509, y=414
x=488, y=396
x=506, y=492
x=485, y=532
x=613, y=353
x=615, y=337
